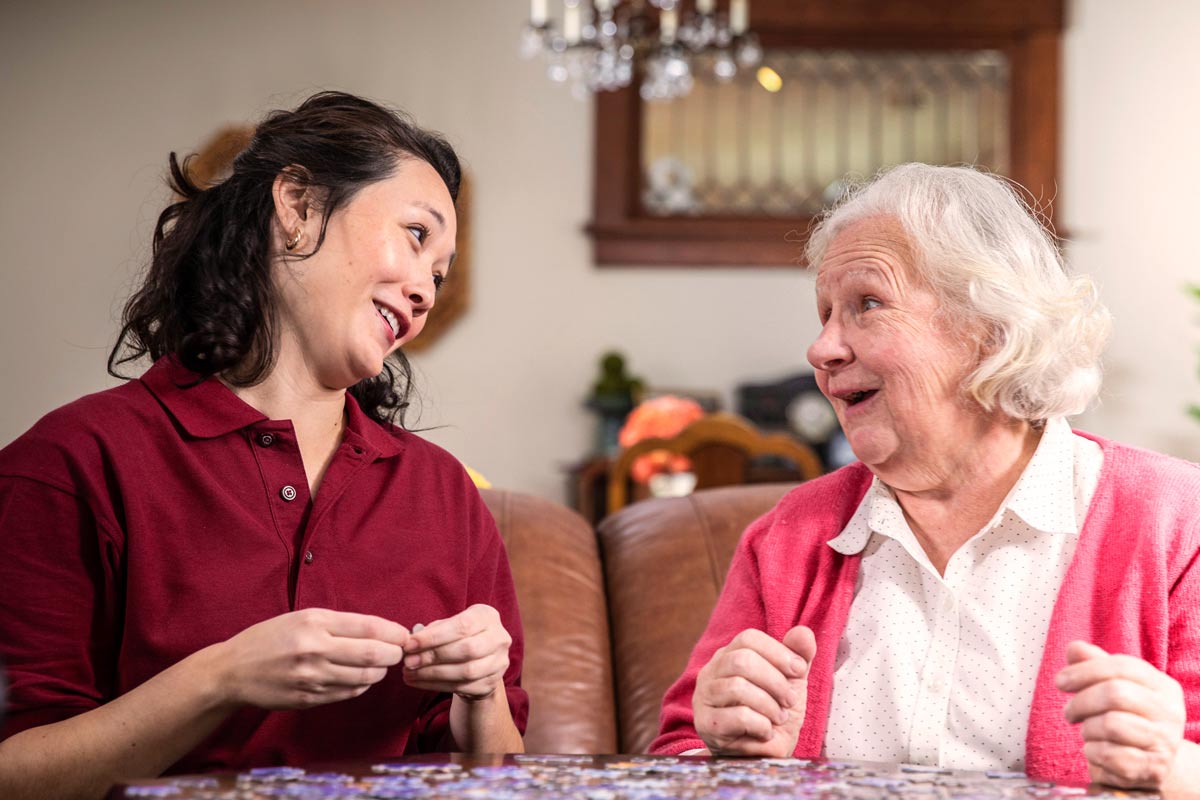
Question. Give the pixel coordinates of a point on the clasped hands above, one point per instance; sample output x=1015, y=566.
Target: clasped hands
x=316, y=656
x=1132, y=717
x=751, y=696
x=750, y=700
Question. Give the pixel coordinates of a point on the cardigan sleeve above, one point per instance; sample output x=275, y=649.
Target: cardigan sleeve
x=740, y=606
x=1184, y=632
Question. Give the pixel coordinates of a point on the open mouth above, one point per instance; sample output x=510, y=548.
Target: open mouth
x=854, y=398
x=398, y=324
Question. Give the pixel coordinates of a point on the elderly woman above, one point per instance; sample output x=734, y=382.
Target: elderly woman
x=987, y=588
x=209, y=565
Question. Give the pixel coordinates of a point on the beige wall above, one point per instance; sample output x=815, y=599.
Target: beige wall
x=95, y=95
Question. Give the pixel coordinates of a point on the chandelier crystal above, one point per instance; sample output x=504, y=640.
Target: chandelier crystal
x=601, y=45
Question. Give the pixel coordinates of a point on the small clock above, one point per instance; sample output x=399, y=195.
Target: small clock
x=811, y=416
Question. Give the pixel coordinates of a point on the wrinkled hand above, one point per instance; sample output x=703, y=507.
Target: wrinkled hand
x=751, y=696
x=1133, y=716
x=308, y=658
x=466, y=654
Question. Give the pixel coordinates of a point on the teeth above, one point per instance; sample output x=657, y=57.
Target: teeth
x=387, y=314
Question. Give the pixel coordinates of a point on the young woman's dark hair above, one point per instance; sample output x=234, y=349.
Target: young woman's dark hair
x=208, y=298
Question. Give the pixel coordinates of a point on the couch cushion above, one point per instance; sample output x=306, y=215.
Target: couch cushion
x=665, y=562
x=560, y=589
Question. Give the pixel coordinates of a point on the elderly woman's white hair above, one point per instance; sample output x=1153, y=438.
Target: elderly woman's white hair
x=1000, y=280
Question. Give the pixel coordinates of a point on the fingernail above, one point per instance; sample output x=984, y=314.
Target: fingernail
x=418, y=628
x=782, y=717
x=799, y=667
x=791, y=699
x=412, y=662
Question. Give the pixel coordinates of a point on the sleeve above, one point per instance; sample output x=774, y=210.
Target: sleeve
x=740, y=607
x=58, y=624
x=490, y=582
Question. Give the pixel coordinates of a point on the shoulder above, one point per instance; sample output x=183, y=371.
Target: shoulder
x=420, y=453
x=1145, y=503
x=814, y=512
x=1144, y=477
x=432, y=487
x=81, y=433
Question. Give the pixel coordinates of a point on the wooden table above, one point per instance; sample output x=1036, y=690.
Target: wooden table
x=610, y=778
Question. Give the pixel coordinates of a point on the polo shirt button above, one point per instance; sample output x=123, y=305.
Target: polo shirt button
x=308, y=556
x=288, y=493
x=266, y=439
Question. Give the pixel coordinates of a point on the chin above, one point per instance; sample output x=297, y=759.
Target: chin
x=871, y=448
x=361, y=370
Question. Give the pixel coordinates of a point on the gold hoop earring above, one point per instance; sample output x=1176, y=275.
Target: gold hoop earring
x=291, y=243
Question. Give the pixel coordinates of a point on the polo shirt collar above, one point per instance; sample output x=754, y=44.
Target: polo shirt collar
x=1044, y=497
x=383, y=440
x=206, y=408
x=202, y=405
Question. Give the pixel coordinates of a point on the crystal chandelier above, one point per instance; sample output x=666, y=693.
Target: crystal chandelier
x=602, y=45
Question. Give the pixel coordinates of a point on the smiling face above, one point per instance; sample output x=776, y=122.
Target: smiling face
x=369, y=287
x=886, y=361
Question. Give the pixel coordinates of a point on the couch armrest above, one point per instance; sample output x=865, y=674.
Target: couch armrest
x=560, y=589
x=665, y=562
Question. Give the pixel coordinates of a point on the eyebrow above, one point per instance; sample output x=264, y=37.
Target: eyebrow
x=854, y=273
x=433, y=211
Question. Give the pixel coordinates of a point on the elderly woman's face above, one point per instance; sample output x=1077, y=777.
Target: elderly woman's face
x=890, y=369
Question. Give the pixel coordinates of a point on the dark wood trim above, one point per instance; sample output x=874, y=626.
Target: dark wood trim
x=1028, y=31
x=904, y=17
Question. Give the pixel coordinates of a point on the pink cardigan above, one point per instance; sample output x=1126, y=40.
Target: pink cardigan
x=1132, y=587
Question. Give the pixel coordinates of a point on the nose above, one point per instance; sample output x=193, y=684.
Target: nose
x=830, y=350
x=421, y=294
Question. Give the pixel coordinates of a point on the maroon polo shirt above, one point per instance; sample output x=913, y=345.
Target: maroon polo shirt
x=143, y=523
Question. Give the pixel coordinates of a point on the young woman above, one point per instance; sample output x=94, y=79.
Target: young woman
x=210, y=565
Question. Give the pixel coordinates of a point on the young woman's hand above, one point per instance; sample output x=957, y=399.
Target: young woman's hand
x=466, y=654
x=308, y=658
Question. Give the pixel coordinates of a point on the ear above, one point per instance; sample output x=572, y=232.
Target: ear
x=293, y=205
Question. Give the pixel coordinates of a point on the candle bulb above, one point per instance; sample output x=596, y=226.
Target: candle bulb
x=572, y=23
x=668, y=24
x=537, y=13
x=739, y=16
x=705, y=7
x=604, y=6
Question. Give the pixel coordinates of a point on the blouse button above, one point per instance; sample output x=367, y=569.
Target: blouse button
x=288, y=493
x=308, y=556
x=266, y=439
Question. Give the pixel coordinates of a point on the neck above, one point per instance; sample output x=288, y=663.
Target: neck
x=317, y=414
x=946, y=507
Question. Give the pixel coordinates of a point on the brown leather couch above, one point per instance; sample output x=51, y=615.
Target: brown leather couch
x=611, y=615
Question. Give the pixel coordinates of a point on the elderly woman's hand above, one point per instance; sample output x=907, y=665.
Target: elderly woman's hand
x=751, y=696
x=1133, y=717
x=466, y=654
